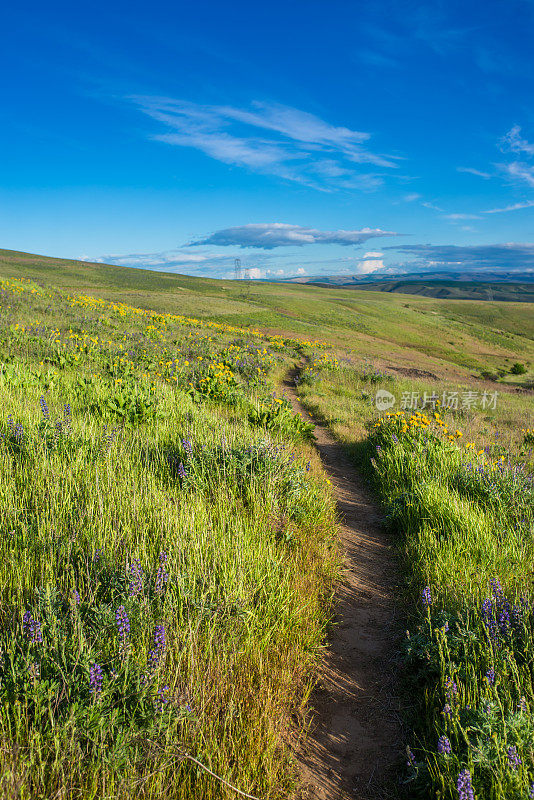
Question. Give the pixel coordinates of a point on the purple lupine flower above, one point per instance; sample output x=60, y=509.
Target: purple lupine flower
x=44, y=409
x=181, y=471
x=522, y=705
x=514, y=760
x=67, y=416
x=531, y=791
x=162, y=698
x=410, y=758
x=188, y=447
x=162, y=576
x=32, y=628
x=96, y=677
x=156, y=654
x=97, y=554
x=488, y=618
x=465, y=786
x=496, y=588
x=136, y=578
x=427, y=597
x=26, y=619
x=75, y=597
x=308, y=466
x=490, y=676
x=36, y=634
x=451, y=690
x=504, y=622
x=447, y=710
x=444, y=746
x=159, y=638
x=123, y=627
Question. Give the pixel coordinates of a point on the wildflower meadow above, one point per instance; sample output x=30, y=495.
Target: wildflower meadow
x=168, y=553
x=457, y=488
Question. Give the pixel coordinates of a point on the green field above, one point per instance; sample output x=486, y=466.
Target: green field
x=457, y=338
x=169, y=549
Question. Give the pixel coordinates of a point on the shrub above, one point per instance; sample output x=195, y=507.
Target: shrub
x=518, y=369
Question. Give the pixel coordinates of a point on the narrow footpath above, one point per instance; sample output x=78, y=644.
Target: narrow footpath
x=356, y=738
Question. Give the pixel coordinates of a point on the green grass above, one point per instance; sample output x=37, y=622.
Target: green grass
x=462, y=509
x=148, y=474
x=163, y=446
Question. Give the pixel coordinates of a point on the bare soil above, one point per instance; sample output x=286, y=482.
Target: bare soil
x=356, y=739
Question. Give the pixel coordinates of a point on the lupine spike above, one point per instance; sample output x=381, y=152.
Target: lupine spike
x=95, y=679
x=123, y=627
x=464, y=786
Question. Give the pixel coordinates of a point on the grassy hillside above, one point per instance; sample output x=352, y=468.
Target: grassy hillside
x=445, y=337
x=456, y=483
x=443, y=289
x=167, y=553
x=169, y=545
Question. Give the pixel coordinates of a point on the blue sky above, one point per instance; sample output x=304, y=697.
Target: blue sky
x=304, y=137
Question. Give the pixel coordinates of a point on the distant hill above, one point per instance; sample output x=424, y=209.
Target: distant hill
x=437, y=335
x=454, y=286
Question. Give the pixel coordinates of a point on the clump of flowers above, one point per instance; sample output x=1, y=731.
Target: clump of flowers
x=123, y=628
x=32, y=628
x=96, y=677
x=465, y=786
x=514, y=760
x=162, y=698
x=156, y=654
x=136, y=578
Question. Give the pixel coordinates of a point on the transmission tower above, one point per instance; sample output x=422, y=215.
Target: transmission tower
x=237, y=269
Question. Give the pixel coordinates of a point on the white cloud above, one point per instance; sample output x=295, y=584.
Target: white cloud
x=476, y=172
x=255, y=273
x=271, y=139
x=520, y=171
x=513, y=207
x=513, y=141
x=367, y=266
x=373, y=254
x=433, y=207
x=409, y=198
x=454, y=217
x=301, y=271
x=280, y=234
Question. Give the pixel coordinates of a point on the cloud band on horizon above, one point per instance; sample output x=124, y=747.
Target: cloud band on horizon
x=508, y=256
x=279, y=234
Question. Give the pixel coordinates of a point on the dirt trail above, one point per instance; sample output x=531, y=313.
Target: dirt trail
x=356, y=737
